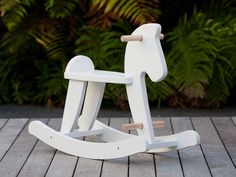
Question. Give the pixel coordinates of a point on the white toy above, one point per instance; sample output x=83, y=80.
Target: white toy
x=143, y=55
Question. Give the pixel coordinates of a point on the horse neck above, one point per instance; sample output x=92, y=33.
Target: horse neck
x=135, y=65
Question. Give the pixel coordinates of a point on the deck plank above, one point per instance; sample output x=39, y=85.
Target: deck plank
x=90, y=167
x=41, y=156
x=17, y=155
x=9, y=133
x=192, y=158
x=167, y=163
x=227, y=131
x=22, y=155
x=116, y=167
x=2, y=123
x=234, y=120
x=141, y=164
x=213, y=149
x=62, y=164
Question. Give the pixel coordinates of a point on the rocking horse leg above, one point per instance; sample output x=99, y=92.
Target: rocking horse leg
x=138, y=101
x=92, y=102
x=73, y=105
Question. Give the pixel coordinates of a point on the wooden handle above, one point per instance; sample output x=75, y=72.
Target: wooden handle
x=126, y=38
x=134, y=126
x=158, y=124
x=162, y=36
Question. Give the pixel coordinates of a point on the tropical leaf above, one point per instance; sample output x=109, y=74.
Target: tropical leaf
x=135, y=11
x=60, y=8
x=107, y=53
x=14, y=11
x=198, y=59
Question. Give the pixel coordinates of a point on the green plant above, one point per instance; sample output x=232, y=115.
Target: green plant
x=134, y=11
x=107, y=52
x=201, y=60
x=36, y=45
x=37, y=39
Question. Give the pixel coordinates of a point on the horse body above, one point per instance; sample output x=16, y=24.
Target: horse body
x=84, y=96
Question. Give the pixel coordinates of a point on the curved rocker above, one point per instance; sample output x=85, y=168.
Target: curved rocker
x=143, y=55
x=118, y=144
x=124, y=147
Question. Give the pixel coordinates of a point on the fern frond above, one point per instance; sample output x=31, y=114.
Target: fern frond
x=51, y=85
x=60, y=8
x=14, y=11
x=199, y=58
x=137, y=12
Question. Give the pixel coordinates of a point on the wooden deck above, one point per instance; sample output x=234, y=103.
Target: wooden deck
x=23, y=155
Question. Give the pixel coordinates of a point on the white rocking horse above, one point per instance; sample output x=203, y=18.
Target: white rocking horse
x=143, y=55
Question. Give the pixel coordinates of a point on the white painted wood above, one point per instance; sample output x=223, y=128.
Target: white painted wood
x=85, y=149
x=175, y=142
x=213, y=149
x=138, y=101
x=81, y=68
x=16, y=156
x=78, y=133
x=141, y=57
x=167, y=164
x=90, y=167
x=146, y=56
x=92, y=102
x=79, y=64
x=113, y=135
x=40, y=158
x=9, y=133
x=192, y=158
x=100, y=76
x=73, y=105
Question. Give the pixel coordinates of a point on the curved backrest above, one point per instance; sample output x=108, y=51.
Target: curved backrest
x=146, y=56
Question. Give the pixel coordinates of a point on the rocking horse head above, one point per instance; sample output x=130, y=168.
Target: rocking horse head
x=144, y=52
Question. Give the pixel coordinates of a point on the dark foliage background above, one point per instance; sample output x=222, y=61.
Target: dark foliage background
x=38, y=38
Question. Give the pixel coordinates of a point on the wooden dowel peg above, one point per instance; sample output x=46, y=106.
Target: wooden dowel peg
x=162, y=36
x=126, y=38
x=134, y=126
x=158, y=124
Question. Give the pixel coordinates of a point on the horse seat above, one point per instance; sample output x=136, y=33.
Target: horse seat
x=99, y=76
